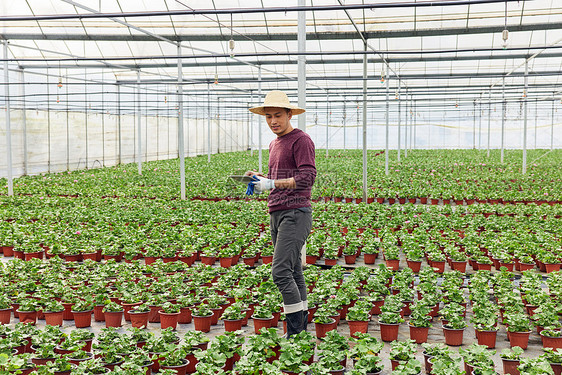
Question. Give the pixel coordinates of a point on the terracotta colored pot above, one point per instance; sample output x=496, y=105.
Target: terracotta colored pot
x=5, y=316
x=551, y=267
x=322, y=328
x=168, y=319
x=67, y=314
x=98, y=313
x=376, y=309
x=180, y=369
x=414, y=265
x=153, y=316
x=520, y=339
x=453, y=337
x=53, y=318
x=357, y=326
x=459, y=265
x=557, y=368
x=202, y=323
x=330, y=262
x=260, y=323
x=487, y=338
x=551, y=342
x=127, y=307
x=510, y=366
x=28, y=317
x=370, y=258
x=418, y=334
x=113, y=318
x=350, y=258
x=139, y=319
x=185, y=315
x=393, y=264
x=82, y=319
x=266, y=259
x=389, y=332
x=232, y=325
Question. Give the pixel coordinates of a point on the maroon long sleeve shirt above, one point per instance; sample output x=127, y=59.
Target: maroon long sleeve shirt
x=292, y=155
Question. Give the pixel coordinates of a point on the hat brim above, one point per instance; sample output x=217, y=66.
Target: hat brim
x=261, y=109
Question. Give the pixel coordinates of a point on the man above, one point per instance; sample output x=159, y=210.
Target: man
x=292, y=172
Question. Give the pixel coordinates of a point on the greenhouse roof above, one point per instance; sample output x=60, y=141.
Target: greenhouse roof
x=447, y=50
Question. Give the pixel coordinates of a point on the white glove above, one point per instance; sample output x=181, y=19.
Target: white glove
x=263, y=184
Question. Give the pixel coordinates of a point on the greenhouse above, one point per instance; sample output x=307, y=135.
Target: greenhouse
x=151, y=201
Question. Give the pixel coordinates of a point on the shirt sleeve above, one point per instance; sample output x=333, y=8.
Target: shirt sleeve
x=304, y=155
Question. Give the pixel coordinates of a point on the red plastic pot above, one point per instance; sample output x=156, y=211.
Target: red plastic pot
x=5, y=315
x=510, y=366
x=168, y=320
x=389, y=332
x=418, y=334
x=27, y=317
x=202, y=323
x=520, y=339
x=113, y=318
x=414, y=265
x=180, y=369
x=357, y=326
x=82, y=319
x=453, y=337
x=322, y=328
x=487, y=338
x=260, y=323
x=139, y=319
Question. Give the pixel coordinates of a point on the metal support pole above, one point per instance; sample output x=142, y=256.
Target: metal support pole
x=102, y=125
x=119, y=120
x=365, y=184
x=474, y=124
x=328, y=119
x=49, y=126
x=67, y=126
x=139, y=138
x=8, y=122
x=301, y=43
x=552, y=125
x=343, y=123
x=251, y=120
x=24, y=123
x=260, y=156
x=399, y=115
x=180, y=124
x=489, y=121
x=536, y=120
x=387, y=120
x=524, y=168
x=208, y=123
x=415, y=122
x=406, y=127
x=503, y=120
x=86, y=114
x=480, y=122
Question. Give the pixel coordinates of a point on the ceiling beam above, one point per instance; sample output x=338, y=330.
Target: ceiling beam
x=286, y=36
x=351, y=60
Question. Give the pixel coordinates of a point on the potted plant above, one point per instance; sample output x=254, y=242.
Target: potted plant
x=389, y=324
x=169, y=315
x=262, y=318
x=454, y=330
x=82, y=311
x=139, y=315
x=53, y=310
x=510, y=360
x=411, y=367
x=419, y=322
x=518, y=328
x=324, y=321
x=551, y=338
x=113, y=314
x=175, y=360
x=554, y=358
x=535, y=366
x=401, y=352
x=27, y=311
x=5, y=309
x=358, y=318
x=233, y=317
x=202, y=317
x=477, y=356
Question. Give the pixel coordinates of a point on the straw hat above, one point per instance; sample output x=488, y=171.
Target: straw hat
x=277, y=99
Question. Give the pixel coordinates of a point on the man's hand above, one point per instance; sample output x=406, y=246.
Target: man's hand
x=253, y=173
x=263, y=184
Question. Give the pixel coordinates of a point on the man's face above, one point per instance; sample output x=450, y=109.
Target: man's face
x=279, y=120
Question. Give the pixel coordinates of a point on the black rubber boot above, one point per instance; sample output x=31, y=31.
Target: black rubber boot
x=304, y=320
x=294, y=323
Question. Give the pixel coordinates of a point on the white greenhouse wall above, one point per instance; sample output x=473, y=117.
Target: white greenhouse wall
x=59, y=140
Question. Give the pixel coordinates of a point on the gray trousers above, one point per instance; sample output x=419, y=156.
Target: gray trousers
x=289, y=230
